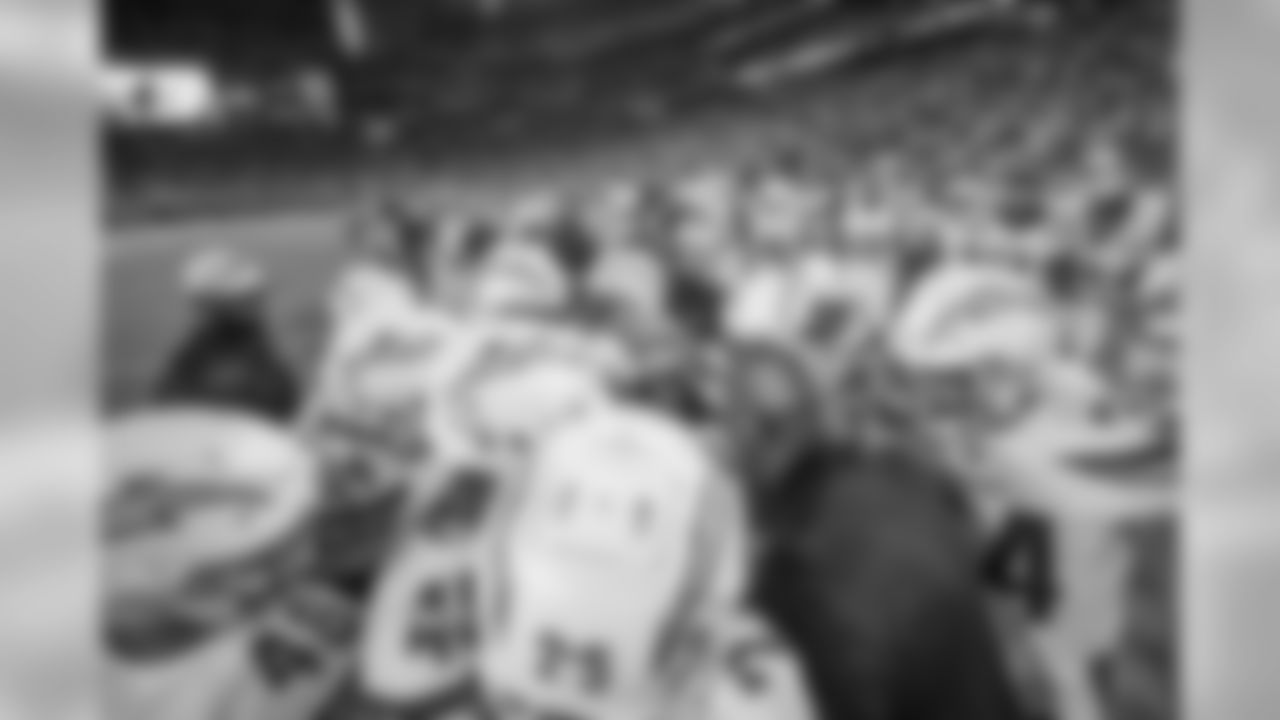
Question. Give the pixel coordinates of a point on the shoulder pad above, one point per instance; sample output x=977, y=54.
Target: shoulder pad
x=208, y=487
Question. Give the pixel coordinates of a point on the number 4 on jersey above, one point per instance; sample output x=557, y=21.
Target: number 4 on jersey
x=1020, y=561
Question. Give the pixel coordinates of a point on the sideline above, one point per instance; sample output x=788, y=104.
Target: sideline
x=275, y=232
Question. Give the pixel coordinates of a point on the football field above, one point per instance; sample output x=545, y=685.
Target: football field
x=144, y=311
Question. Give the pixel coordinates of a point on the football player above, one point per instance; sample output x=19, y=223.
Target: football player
x=369, y=415
x=1088, y=471
x=1048, y=475
x=371, y=423
x=423, y=632
x=385, y=272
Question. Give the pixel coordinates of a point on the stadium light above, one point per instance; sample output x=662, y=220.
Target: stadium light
x=350, y=27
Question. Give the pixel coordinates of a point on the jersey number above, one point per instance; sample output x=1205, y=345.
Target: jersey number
x=1020, y=562
x=446, y=623
x=587, y=666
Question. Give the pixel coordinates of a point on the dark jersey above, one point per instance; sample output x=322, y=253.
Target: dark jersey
x=229, y=359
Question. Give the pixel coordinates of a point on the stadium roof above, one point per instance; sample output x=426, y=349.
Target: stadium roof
x=230, y=28
x=496, y=75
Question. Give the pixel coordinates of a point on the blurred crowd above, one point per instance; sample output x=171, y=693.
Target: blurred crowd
x=776, y=441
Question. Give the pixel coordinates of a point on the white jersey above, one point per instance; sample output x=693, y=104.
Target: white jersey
x=597, y=571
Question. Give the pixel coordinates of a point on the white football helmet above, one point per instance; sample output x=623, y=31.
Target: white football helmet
x=764, y=305
x=222, y=274
x=195, y=495
x=965, y=314
x=367, y=292
x=600, y=562
x=519, y=277
x=513, y=408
